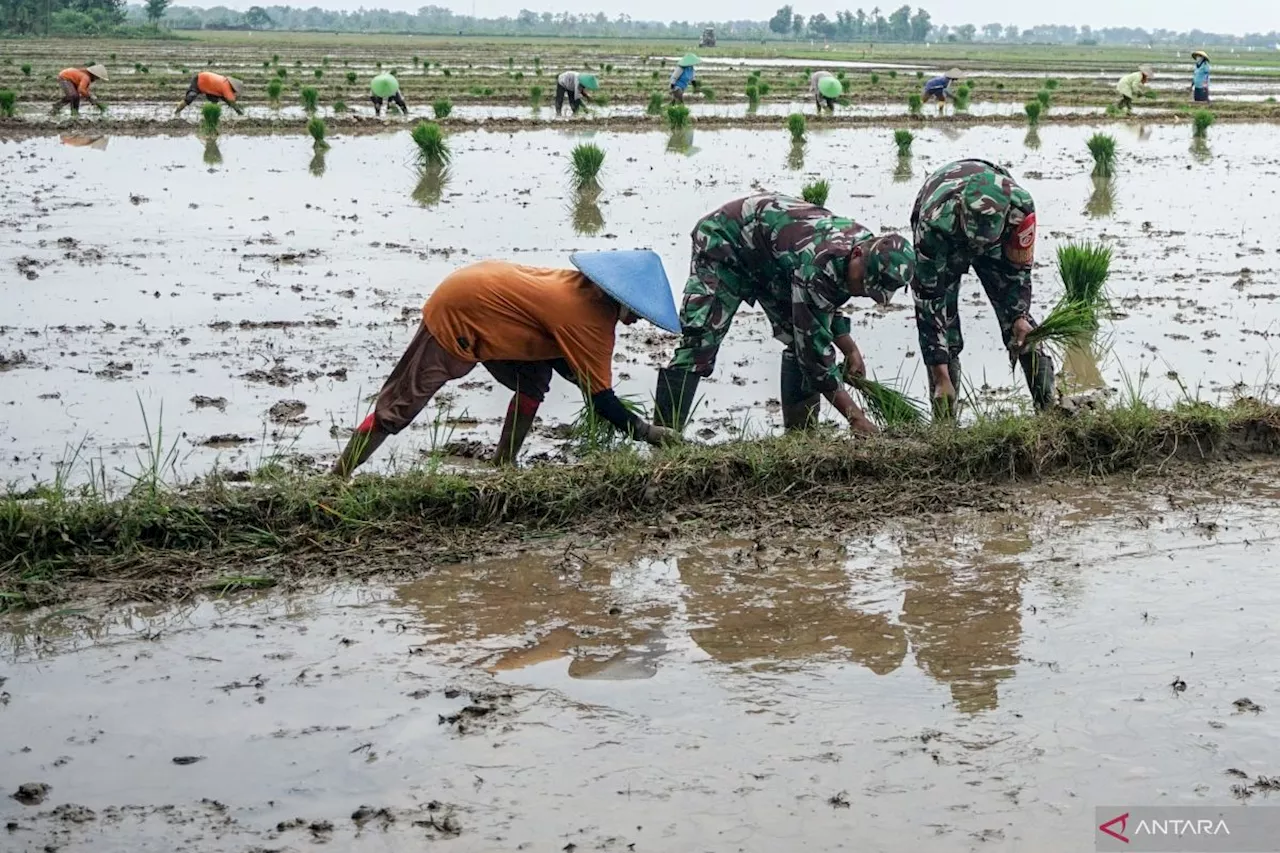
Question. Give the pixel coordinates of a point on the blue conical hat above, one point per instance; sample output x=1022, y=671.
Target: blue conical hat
x=636, y=279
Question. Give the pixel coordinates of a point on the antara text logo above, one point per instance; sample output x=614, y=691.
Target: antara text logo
x=1187, y=829
x=1179, y=827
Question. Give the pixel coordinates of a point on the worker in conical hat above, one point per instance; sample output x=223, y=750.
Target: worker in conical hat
x=75, y=83
x=215, y=88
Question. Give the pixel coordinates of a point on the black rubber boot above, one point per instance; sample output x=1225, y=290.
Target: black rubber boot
x=1039, y=371
x=799, y=402
x=673, y=398
x=802, y=415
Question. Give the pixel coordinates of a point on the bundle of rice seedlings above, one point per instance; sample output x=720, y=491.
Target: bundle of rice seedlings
x=1051, y=84
x=310, y=99
x=319, y=72
x=875, y=78
x=763, y=88
x=282, y=73
x=1070, y=323
x=433, y=148
x=1083, y=268
x=753, y=96
x=1203, y=120
x=210, y=115
x=212, y=153
x=316, y=128
x=796, y=124
x=584, y=163
x=677, y=116
x=707, y=92
x=1103, y=149
x=339, y=106
x=888, y=406
x=1044, y=96
x=816, y=192
x=903, y=139
x=915, y=103
x=8, y=102
x=351, y=77
x=535, y=95
x=26, y=69
x=654, y=107
x=442, y=108
x=962, y=99
x=1033, y=109
x=274, y=88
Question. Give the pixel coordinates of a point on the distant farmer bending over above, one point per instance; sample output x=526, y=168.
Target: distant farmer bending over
x=825, y=88
x=75, y=83
x=800, y=263
x=215, y=88
x=522, y=323
x=386, y=88
x=1133, y=86
x=939, y=88
x=574, y=86
x=972, y=213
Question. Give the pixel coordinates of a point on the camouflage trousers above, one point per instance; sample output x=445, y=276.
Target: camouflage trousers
x=1005, y=286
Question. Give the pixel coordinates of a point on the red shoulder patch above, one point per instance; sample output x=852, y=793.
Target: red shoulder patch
x=1020, y=247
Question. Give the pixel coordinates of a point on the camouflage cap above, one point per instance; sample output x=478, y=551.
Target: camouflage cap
x=891, y=264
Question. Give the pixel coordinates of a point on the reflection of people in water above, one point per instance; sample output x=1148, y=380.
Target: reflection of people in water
x=97, y=142
x=788, y=606
x=962, y=613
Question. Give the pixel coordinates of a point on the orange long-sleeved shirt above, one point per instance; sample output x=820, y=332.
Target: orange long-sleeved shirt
x=499, y=311
x=79, y=78
x=215, y=84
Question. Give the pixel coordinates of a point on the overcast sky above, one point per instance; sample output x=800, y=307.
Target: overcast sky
x=1226, y=16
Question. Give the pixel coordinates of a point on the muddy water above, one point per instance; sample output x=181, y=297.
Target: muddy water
x=145, y=274
x=980, y=682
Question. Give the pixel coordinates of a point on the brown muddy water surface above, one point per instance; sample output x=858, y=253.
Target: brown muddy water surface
x=977, y=682
x=252, y=295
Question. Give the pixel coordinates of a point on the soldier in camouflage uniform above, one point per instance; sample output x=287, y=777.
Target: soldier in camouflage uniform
x=972, y=213
x=799, y=263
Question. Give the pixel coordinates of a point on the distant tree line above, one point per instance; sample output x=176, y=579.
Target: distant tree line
x=93, y=17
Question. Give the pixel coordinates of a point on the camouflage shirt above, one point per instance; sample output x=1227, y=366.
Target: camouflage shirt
x=792, y=258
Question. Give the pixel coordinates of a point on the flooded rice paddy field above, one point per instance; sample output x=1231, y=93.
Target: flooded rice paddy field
x=249, y=296
x=974, y=682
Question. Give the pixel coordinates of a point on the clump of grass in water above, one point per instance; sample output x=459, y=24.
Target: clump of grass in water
x=888, y=406
x=585, y=162
x=210, y=116
x=433, y=148
x=1033, y=109
x=915, y=103
x=796, y=124
x=677, y=116
x=310, y=99
x=656, y=101
x=442, y=107
x=816, y=192
x=351, y=77
x=903, y=139
x=535, y=95
x=1202, y=121
x=8, y=102
x=1084, y=268
x=317, y=129
x=1103, y=149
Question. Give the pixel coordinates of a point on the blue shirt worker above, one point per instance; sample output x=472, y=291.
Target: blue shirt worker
x=939, y=88
x=682, y=77
x=1200, y=77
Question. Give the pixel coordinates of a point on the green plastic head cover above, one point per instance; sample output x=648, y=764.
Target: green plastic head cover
x=891, y=264
x=688, y=60
x=384, y=85
x=588, y=81
x=829, y=87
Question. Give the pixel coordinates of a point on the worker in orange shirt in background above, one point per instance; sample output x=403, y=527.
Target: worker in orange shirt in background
x=75, y=84
x=215, y=87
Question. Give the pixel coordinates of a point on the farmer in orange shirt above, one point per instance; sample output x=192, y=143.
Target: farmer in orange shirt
x=215, y=87
x=522, y=323
x=75, y=84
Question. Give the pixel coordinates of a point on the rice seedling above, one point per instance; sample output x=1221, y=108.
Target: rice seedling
x=915, y=103
x=656, y=101
x=1044, y=96
x=816, y=192
x=600, y=100
x=310, y=99
x=707, y=92
x=275, y=59
x=282, y=72
x=274, y=88
x=1103, y=149
x=442, y=107
x=210, y=116
x=8, y=102
x=26, y=69
x=351, y=78
x=1051, y=84
x=893, y=75
x=266, y=63
x=796, y=124
x=961, y=101
x=1083, y=268
x=1202, y=121
x=137, y=67
x=448, y=73
x=903, y=138
x=1033, y=109
x=585, y=162
x=212, y=153
x=677, y=116
x=888, y=406
x=339, y=107
x=590, y=433
x=433, y=148
x=317, y=129
x=608, y=69
x=535, y=95
x=653, y=75
x=763, y=88
x=753, y=96
x=319, y=73
x=875, y=78
x=1068, y=324
x=324, y=60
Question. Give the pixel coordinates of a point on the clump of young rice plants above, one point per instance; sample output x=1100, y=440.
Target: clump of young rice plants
x=763, y=88
x=432, y=147
x=535, y=95
x=442, y=107
x=875, y=78
x=1032, y=139
x=1202, y=120
x=753, y=96
x=796, y=124
x=1084, y=268
x=1070, y=323
x=1103, y=149
x=8, y=103
x=26, y=69
x=656, y=101
x=962, y=98
x=903, y=139
x=585, y=162
x=432, y=181
x=319, y=73
x=282, y=72
x=351, y=78
x=310, y=99
x=317, y=129
x=210, y=116
x=677, y=116
x=1045, y=97
x=1051, y=84
x=317, y=165
x=915, y=103
x=339, y=107
x=888, y=406
x=274, y=88
x=708, y=93
x=212, y=153
x=816, y=192
x=1033, y=110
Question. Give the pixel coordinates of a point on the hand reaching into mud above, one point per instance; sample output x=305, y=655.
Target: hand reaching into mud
x=862, y=425
x=660, y=436
x=854, y=366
